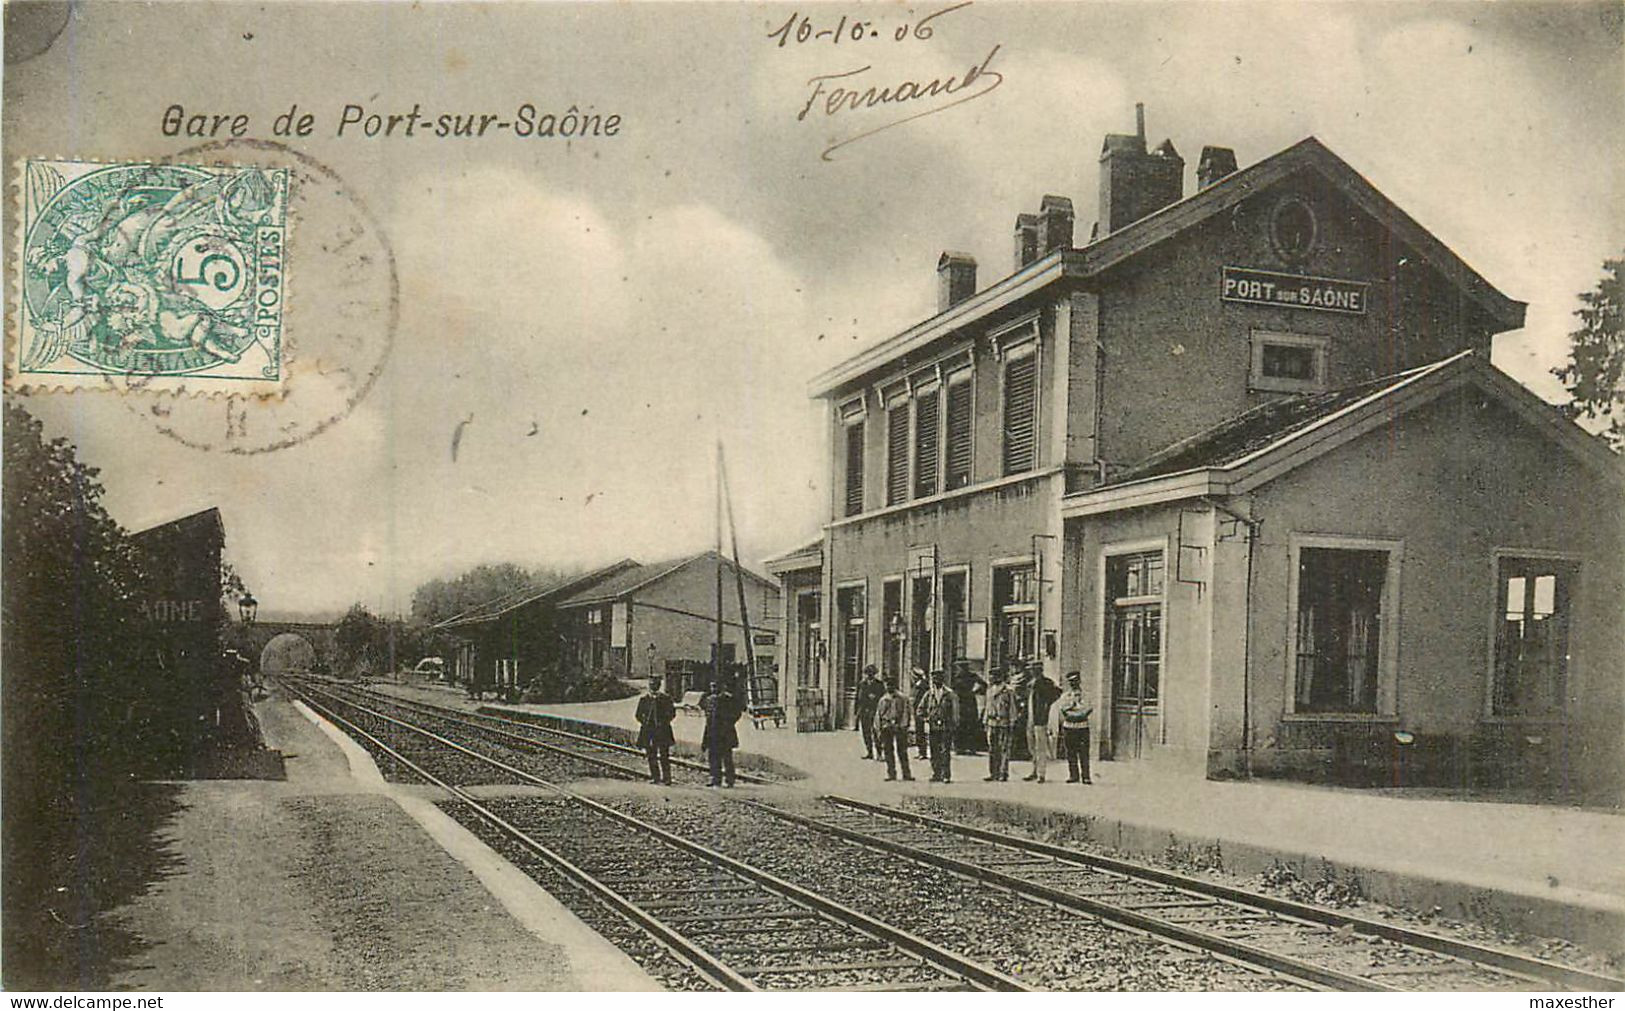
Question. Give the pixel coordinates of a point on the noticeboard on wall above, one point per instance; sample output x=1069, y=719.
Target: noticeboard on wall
x=976, y=640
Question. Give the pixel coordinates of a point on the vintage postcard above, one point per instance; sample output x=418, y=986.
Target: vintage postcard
x=872, y=497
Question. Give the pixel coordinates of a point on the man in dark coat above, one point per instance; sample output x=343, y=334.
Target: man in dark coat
x=722, y=709
x=870, y=692
x=656, y=711
x=966, y=686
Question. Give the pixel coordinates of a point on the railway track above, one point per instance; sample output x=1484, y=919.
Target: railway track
x=735, y=926
x=1319, y=947
x=589, y=750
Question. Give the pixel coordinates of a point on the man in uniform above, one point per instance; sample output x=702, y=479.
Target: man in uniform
x=892, y=718
x=1000, y=718
x=655, y=714
x=941, y=711
x=722, y=711
x=1070, y=718
x=870, y=691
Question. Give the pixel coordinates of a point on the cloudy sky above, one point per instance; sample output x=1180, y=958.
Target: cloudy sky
x=595, y=314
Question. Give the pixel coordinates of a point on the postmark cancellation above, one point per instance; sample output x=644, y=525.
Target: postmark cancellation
x=150, y=275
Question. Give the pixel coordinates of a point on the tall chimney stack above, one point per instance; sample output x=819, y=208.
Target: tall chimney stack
x=1026, y=239
x=1215, y=164
x=956, y=279
x=1054, y=224
x=1135, y=182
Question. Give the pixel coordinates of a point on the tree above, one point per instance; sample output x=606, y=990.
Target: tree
x=439, y=599
x=1595, y=373
x=358, y=638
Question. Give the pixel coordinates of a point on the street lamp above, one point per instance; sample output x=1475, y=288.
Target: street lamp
x=248, y=607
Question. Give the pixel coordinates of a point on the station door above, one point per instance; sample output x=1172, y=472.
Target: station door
x=1136, y=667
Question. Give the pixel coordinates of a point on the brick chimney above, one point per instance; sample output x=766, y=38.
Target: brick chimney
x=956, y=279
x=1215, y=164
x=1135, y=182
x=1054, y=224
x=1026, y=239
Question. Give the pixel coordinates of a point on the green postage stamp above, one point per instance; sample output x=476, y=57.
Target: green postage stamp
x=154, y=276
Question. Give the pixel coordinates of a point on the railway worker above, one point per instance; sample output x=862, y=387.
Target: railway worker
x=1069, y=717
x=921, y=685
x=967, y=686
x=870, y=692
x=1040, y=699
x=941, y=710
x=656, y=711
x=722, y=711
x=1000, y=719
x=892, y=718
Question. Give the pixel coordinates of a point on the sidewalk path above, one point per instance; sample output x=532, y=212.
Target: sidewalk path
x=334, y=880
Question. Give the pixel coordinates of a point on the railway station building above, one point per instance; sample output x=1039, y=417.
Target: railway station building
x=623, y=619
x=1240, y=457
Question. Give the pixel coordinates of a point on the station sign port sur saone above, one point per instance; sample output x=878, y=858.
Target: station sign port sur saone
x=1296, y=291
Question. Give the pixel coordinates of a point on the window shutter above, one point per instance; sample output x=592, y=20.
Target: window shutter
x=854, y=468
x=959, y=434
x=926, y=443
x=897, y=453
x=1020, y=413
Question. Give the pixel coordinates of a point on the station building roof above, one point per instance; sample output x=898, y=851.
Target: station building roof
x=1110, y=250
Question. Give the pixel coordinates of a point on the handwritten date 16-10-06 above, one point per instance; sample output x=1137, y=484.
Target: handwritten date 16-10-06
x=802, y=28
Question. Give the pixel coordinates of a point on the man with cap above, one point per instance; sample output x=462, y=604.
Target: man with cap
x=1069, y=718
x=920, y=686
x=1038, y=700
x=892, y=718
x=941, y=710
x=656, y=711
x=870, y=691
x=1000, y=718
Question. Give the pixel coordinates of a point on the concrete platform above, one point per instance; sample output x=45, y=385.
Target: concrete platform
x=1545, y=870
x=335, y=880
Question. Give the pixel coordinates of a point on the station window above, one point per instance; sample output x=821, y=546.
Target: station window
x=1015, y=604
x=897, y=448
x=1534, y=608
x=927, y=439
x=1288, y=363
x=1339, y=629
x=854, y=466
x=960, y=420
x=1021, y=409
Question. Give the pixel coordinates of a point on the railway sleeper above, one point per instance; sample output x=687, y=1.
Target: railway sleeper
x=878, y=965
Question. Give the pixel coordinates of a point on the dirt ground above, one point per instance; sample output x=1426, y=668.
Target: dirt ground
x=324, y=883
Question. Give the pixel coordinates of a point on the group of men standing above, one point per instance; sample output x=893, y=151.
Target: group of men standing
x=655, y=714
x=1033, y=709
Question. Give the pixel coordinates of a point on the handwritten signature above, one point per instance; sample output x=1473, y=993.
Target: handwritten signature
x=835, y=99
